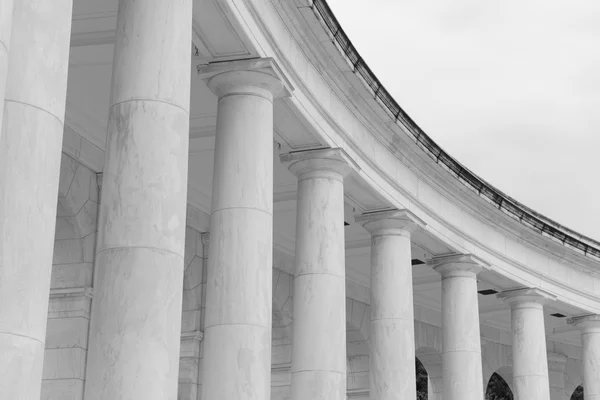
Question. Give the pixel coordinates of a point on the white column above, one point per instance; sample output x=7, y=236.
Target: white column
x=530, y=359
x=136, y=311
x=319, y=328
x=6, y=12
x=461, y=346
x=392, y=335
x=590, y=338
x=237, y=346
x=30, y=152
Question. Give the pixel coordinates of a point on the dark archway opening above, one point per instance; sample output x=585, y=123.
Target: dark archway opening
x=578, y=393
x=422, y=381
x=498, y=389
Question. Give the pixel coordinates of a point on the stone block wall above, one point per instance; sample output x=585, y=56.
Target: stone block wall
x=71, y=282
x=192, y=319
x=358, y=316
x=281, y=351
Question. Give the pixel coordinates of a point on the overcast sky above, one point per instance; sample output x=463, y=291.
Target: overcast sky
x=511, y=89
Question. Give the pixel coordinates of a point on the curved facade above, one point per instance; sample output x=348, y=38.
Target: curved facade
x=287, y=233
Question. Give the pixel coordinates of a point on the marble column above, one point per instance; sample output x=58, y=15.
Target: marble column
x=590, y=338
x=530, y=359
x=30, y=153
x=392, y=337
x=237, y=346
x=135, y=326
x=319, y=301
x=6, y=12
x=461, y=346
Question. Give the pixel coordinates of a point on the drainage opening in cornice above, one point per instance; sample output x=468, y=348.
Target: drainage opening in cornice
x=487, y=292
x=416, y=261
x=558, y=315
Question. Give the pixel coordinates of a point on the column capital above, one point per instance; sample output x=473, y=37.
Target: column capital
x=326, y=163
x=390, y=222
x=586, y=323
x=517, y=298
x=263, y=74
x=467, y=265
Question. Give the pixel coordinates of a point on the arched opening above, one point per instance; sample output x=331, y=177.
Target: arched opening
x=422, y=381
x=578, y=393
x=429, y=373
x=498, y=389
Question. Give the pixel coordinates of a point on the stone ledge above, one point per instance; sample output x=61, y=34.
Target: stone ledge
x=357, y=393
x=72, y=292
x=192, y=335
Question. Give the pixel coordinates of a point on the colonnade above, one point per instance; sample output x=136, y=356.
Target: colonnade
x=135, y=325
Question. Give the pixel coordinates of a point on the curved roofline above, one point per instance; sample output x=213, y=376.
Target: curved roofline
x=509, y=206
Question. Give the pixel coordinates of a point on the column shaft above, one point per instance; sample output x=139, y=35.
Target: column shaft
x=30, y=152
x=590, y=338
x=6, y=12
x=461, y=347
x=136, y=312
x=530, y=365
x=319, y=302
x=591, y=364
x=530, y=358
x=392, y=338
x=237, y=346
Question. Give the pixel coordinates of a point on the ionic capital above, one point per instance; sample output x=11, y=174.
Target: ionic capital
x=586, y=323
x=323, y=163
x=458, y=265
x=521, y=298
x=390, y=222
x=261, y=77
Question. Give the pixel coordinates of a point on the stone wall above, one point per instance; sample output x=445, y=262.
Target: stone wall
x=192, y=319
x=281, y=352
x=71, y=282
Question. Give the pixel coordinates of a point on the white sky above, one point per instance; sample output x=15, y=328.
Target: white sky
x=511, y=89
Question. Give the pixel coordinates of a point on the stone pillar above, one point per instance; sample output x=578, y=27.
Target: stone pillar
x=30, y=154
x=319, y=302
x=392, y=337
x=237, y=347
x=461, y=346
x=590, y=338
x=6, y=13
x=136, y=311
x=530, y=359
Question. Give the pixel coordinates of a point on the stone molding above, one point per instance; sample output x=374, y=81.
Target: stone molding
x=320, y=163
x=516, y=298
x=193, y=335
x=281, y=367
x=263, y=73
x=586, y=323
x=466, y=265
x=362, y=393
x=75, y=291
x=390, y=222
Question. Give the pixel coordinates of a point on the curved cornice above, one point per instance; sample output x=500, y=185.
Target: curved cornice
x=377, y=142
x=526, y=216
